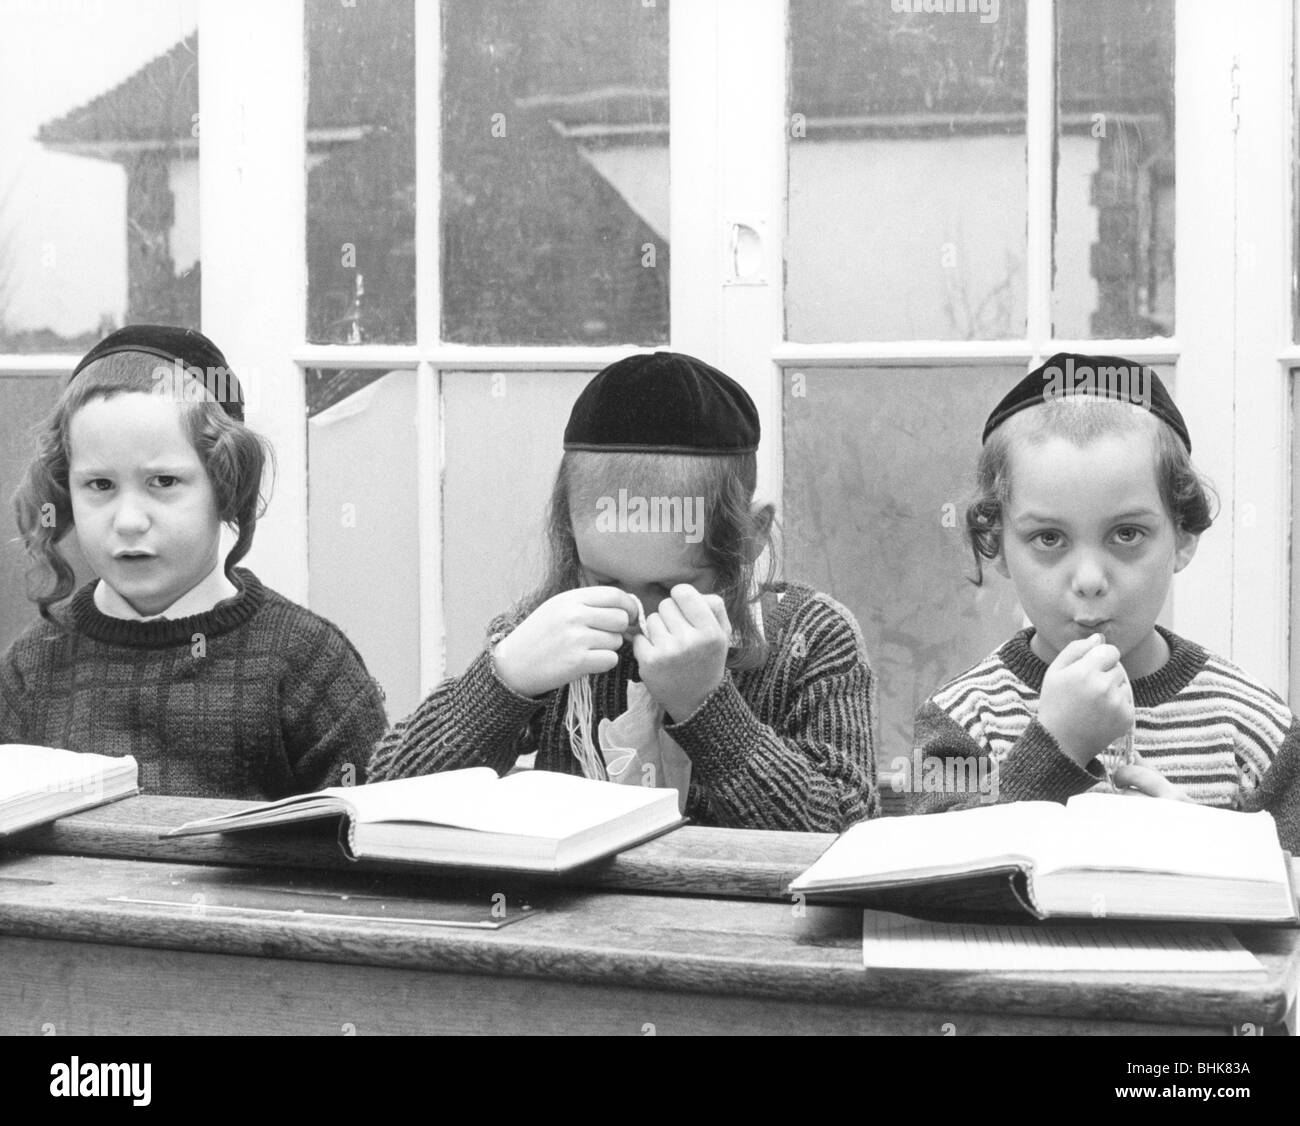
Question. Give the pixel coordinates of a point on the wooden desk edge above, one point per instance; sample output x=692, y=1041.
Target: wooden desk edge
x=691, y=860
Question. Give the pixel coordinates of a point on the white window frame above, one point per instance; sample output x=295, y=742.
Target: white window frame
x=1234, y=235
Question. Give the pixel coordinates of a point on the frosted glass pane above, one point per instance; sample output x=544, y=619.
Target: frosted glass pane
x=363, y=528
x=876, y=479
x=503, y=435
x=906, y=145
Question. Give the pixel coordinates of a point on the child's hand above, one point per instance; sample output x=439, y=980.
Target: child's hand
x=1087, y=702
x=1144, y=780
x=568, y=636
x=683, y=652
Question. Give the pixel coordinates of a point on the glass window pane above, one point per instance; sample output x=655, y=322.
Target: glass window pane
x=555, y=172
x=360, y=172
x=877, y=476
x=363, y=523
x=99, y=151
x=906, y=143
x=1114, y=243
x=503, y=435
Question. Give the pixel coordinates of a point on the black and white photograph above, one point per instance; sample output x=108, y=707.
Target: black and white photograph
x=590, y=518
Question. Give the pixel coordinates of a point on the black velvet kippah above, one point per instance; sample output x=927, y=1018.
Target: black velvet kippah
x=663, y=403
x=1105, y=377
x=200, y=358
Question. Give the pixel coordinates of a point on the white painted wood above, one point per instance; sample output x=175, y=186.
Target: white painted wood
x=428, y=303
x=1040, y=151
x=252, y=199
x=1264, y=242
x=695, y=289
x=1203, y=603
x=751, y=156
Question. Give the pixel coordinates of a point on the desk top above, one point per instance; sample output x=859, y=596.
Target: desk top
x=741, y=863
x=693, y=945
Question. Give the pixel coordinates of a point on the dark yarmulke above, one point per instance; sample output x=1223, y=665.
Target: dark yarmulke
x=201, y=358
x=1105, y=377
x=663, y=403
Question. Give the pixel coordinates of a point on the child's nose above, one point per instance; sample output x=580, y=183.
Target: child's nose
x=130, y=516
x=1089, y=576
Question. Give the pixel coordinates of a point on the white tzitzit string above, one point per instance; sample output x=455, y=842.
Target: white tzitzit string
x=577, y=720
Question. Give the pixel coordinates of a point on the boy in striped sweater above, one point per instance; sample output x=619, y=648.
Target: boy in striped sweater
x=1088, y=502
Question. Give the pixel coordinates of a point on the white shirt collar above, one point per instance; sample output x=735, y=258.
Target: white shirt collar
x=199, y=599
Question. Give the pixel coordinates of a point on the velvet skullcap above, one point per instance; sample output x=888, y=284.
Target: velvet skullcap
x=663, y=403
x=1104, y=377
x=195, y=353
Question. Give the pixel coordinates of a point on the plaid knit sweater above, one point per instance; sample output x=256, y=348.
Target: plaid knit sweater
x=257, y=698
x=1211, y=730
x=788, y=745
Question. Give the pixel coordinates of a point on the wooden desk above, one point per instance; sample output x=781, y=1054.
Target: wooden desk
x=743, y=863
x=163, y=945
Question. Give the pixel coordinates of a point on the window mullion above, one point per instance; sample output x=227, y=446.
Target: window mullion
x=1040, y=143
x=252, y=199
x=747, y=244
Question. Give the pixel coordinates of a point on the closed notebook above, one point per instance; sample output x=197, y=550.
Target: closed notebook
x=39, y=784
x=1099, y=855
x=535, y=820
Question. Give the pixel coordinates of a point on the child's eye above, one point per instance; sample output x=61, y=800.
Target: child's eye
x=98, y=484
x=1047, y=540
x=1130, y=536
x=166, y=480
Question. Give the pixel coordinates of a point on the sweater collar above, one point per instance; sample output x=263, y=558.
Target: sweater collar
x=1186, y=659
x=86, y=618
x=205, y=595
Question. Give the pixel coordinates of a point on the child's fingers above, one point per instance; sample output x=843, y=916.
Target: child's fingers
x=719, y=611
x=694, y=606
x=1144, y=780
x=602, y=639
x=608, y=618
x=1106, y=657
x=611, y=596
x=655, y=631
x=1076, y=650
x=672, y=617
x=595, y=661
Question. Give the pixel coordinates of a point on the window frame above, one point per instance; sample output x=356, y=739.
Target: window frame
x=727, y=151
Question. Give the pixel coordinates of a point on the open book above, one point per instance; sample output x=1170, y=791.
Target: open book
x=536, y=820
x=38, y=784
x=1099, y=856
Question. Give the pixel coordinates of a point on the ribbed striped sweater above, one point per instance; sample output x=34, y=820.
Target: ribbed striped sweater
x=788, y=745
x=1216, y=734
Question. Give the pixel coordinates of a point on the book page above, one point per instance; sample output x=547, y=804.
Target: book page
x=1132, y=832
x=535, y=803
x=937, y=843
x=27, y=770
x=892, y=941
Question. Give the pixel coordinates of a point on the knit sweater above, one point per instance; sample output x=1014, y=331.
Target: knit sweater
x=1207, y=727
x=256, y=698
x=788, y=745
